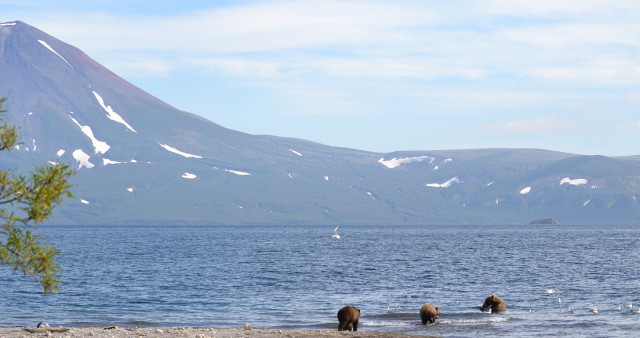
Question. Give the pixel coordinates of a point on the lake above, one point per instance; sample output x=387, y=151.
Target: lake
x=299, y=277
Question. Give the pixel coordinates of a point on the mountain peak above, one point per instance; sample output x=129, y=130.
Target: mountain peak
x=140, y=160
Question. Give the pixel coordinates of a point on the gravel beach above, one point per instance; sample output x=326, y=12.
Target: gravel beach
x=187, y=332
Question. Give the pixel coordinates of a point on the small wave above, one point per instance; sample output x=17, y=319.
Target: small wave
x=396, y=315
x=133, y=323
x=475, y=320
x=388, y=324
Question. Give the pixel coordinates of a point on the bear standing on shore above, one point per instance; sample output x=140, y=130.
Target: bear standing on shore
x=348, y=316
x=429, y=313
x=496, y=304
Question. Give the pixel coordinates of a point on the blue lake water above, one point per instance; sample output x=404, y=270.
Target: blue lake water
x=299, y=276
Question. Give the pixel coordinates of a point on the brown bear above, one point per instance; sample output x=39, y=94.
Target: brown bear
x=348, y=316
x=495, y=303
x=429, y=313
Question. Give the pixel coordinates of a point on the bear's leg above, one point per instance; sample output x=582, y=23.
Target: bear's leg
x=355, y=326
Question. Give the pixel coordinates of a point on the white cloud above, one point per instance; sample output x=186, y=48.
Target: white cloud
x=629, y=126
x=456, y=60
x=543, y=124
x=368, y=38
x=634, y=98
x=144, y=66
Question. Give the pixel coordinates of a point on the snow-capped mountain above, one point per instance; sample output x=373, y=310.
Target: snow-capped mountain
x=140, y=160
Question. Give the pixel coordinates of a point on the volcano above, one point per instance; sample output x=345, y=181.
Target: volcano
x=138, y=160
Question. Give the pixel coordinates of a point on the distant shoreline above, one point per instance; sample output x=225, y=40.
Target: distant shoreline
x=195, y=332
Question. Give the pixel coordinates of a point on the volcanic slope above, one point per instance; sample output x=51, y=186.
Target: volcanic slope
x=141, y=161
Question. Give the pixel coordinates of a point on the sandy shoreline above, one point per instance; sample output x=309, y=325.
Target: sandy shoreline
x=191, y=332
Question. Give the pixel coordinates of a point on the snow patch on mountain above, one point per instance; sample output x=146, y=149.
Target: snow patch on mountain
x=371, y=195
x=112, y=115
x=396, y=162
x=130, y=189
x=60, y=152
x=239, y=173
x=100, y=146
x=326, y=178
x=83, y=159
x=189, y=176
x=106, y=161
x=176, y=151
x=295, y=152
x=84, y=201
x=51, y=49
x=445, y=184
x=525, y=191
x=577, y=181
x=7, y=24
x=587, y=202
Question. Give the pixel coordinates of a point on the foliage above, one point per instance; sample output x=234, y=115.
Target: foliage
x=30, y=200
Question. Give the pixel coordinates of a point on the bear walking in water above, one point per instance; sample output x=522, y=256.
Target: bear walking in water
x=495, y=303
x=348, y=316
x=429, y=313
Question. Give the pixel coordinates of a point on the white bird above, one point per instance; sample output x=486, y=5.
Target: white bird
x=628, y=306
x=533, y=311
x=593, y=309
x=618, y=307
x=636, y=310
x=559, y=301
x=335, y=232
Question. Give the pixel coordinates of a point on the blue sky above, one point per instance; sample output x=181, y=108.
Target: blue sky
x=377, y=75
